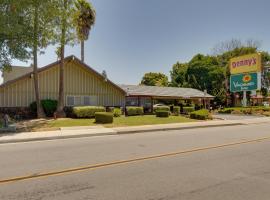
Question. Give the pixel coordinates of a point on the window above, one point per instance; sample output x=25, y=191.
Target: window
x=86, y=100
x=81, y=100
x=70, y=100
x=132, y=101
x=78, y=100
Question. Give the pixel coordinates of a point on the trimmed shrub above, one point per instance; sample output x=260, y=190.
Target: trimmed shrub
x=198, y=106
x=226, y=111
x=162, y=113
x=49, y=106
x=87, y=111
x=176, y=110
x=133, y=110
x=164, y=108
x=117, y=112
x=187, y=110
x=103, y=117
x=200, y=114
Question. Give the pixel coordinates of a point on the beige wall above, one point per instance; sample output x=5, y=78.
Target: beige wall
x=78, y=81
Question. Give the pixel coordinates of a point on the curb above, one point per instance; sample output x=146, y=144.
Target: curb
x=120, y=132
x=117, y=132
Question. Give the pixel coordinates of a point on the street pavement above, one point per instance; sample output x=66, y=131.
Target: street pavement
x=205, y=163
x=236, y=117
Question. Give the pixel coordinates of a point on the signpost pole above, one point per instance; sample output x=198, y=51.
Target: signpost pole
x=244, y=98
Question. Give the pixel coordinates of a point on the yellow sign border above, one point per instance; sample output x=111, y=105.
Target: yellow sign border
x=245, y=68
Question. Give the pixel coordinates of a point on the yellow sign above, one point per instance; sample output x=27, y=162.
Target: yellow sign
x=246, y=63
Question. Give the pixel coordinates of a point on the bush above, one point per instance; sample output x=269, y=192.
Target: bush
x=103, y=117
x=187, y=110
x=49, y=106
x=176, y=110
x=87, y=111
x=133, y=110
x=247, y=111
x=117, y=112
x=162, y=113
x=226, y=111
x=198, y=106
x=164, y=108
x=200, y=114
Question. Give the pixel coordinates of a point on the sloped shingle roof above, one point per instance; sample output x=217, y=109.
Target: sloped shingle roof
x=142, y=90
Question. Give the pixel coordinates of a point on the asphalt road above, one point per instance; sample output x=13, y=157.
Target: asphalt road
x=236, y=117
x=208, y=163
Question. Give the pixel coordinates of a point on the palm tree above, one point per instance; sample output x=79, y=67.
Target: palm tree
x=84, y=19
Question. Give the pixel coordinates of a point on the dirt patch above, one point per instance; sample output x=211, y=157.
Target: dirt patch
x=34, y=125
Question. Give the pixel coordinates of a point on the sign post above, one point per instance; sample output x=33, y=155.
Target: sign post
x=244, y=98
x=245, y=74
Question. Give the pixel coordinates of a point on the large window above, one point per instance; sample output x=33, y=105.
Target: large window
x=81, y=100
x=131, y=101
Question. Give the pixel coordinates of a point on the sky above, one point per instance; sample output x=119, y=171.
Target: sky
x=132, y=37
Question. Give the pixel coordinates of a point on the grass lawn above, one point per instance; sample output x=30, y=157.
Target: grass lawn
x=120, y=121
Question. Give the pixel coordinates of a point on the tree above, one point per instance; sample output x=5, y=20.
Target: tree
x=233, y=44
x=84, y=19
x=179, y=75
x=41, y=17
x=13, y=32
x=34, y=21
x=65, y=30
x=154, y=79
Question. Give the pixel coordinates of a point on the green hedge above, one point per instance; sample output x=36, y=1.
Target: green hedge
x=103, y=117
x=162, y=113
x=187, y=110
x=117, y=112
x=133, y=110
x=164, y=108
x=49, y=106
x=176, y=110
x=87, y=111
x=226, y=111
x=200, y=114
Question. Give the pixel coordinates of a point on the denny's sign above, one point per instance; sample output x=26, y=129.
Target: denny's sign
x=246, y=63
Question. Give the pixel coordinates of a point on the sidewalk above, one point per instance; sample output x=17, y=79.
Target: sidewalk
x=88, y=131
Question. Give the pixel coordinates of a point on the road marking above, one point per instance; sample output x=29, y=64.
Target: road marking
x=119, y=162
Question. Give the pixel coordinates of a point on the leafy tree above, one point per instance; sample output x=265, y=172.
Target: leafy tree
x=179, y=75
x=13, y=32
x=34, y=21
x=66, y=35
x=84, y=19
x=199, y=69
x=154, y=79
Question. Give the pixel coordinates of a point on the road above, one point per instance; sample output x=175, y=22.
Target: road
x=208, y=163
x=236, y=117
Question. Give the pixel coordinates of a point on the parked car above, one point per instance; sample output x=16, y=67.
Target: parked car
x=266, y=104
x=158, y=105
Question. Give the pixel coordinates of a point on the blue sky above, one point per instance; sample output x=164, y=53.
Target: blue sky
x=132, y=37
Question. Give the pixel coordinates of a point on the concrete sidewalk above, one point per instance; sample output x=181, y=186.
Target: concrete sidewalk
x=88, y=131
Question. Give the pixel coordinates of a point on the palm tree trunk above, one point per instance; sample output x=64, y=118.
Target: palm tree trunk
x=40, y=112
x=82, y=50
x=60, y=106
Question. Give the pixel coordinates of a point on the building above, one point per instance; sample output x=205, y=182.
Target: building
x=84, y=86
x=147, y=96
